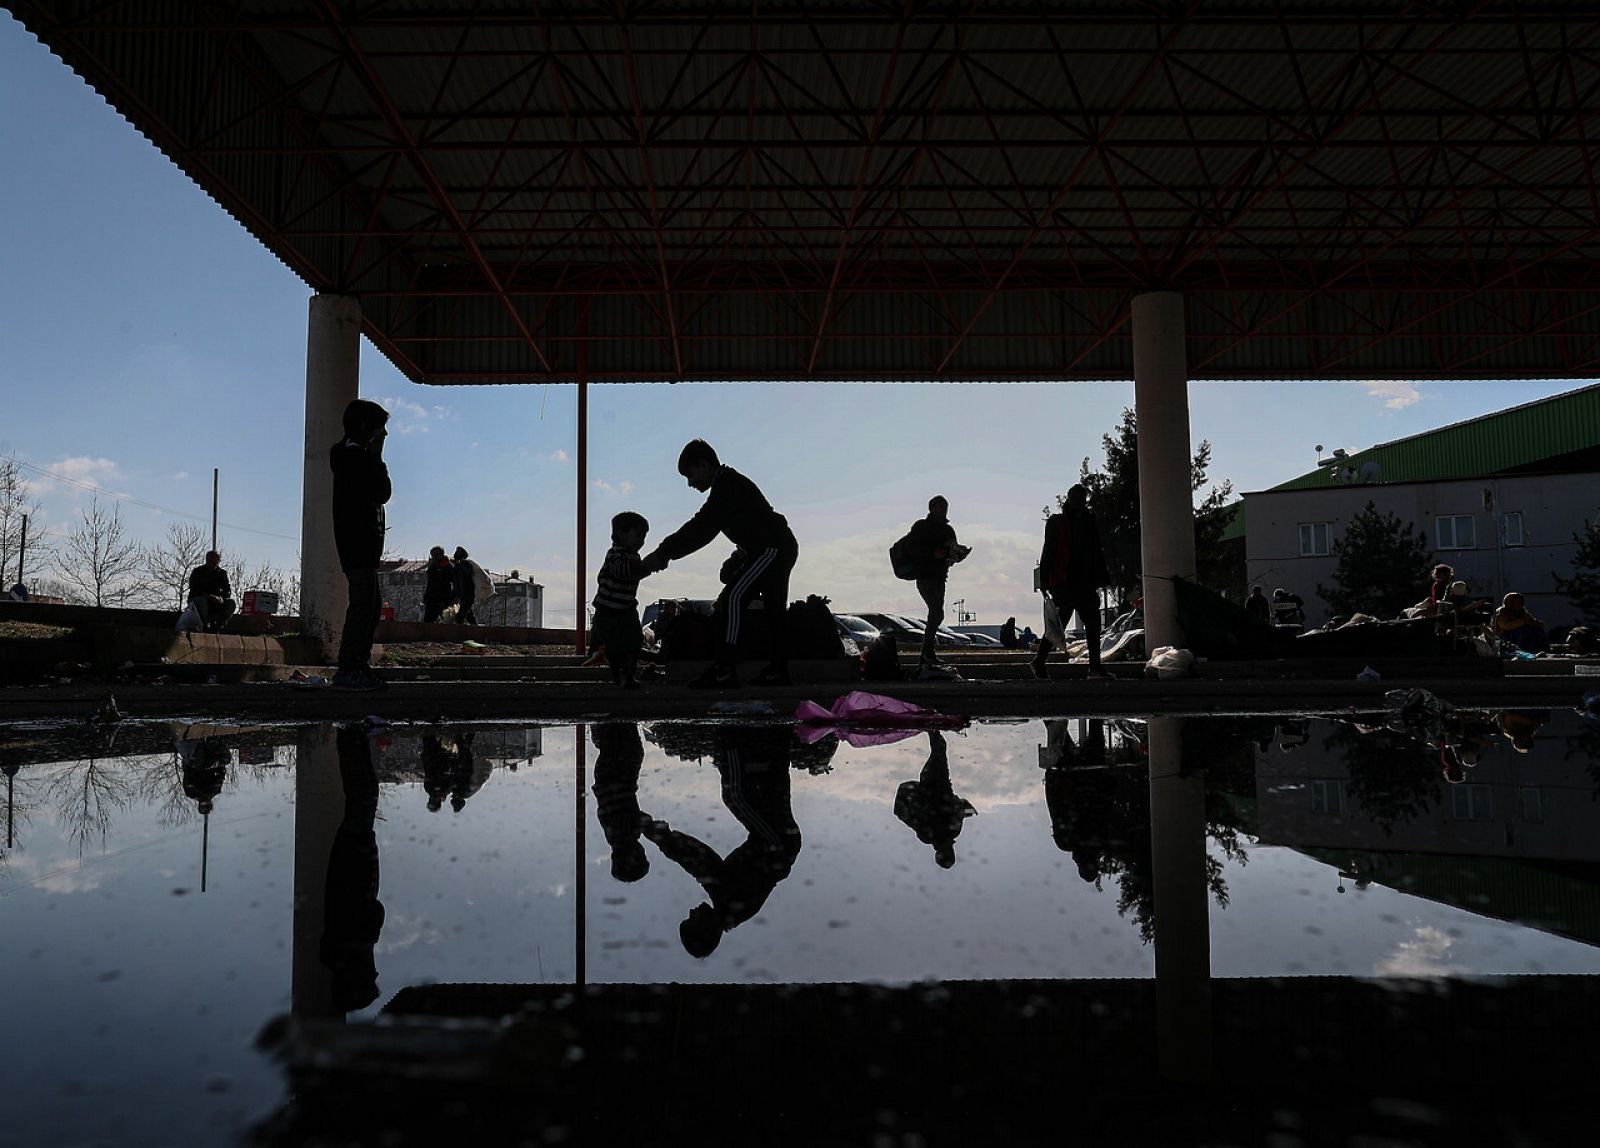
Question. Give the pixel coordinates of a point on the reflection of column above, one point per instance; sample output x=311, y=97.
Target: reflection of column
x=318, y=810
x=581, y=885
x=1183, y=936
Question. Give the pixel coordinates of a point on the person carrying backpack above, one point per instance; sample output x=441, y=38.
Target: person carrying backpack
x=1072, y=570
x=472, y=584
x=931, y=549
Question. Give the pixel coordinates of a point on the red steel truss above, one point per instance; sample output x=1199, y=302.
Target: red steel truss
x=939, y=189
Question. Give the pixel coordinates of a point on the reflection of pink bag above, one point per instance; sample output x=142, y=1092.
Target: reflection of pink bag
x=869, y=719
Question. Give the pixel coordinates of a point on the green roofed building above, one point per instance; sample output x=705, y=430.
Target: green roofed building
x=1499, y=498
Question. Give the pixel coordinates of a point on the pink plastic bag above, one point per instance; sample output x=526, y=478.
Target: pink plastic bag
x=864, y=719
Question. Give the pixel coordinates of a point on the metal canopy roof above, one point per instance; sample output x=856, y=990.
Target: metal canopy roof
x=784, y=189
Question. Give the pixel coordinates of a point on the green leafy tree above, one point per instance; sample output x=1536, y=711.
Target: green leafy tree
x=1584, y=585
x=1381, y=562
x=1114, y=501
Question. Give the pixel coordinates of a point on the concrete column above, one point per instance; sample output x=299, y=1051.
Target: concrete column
x=318, y=810
x=333, y=361
x=1182, y=905
x=1166, y=503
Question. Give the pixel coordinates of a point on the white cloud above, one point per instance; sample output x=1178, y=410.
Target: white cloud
x=557, y=456
x=180, y=475
x=613, y=487
x=76, y=469
x=1396, y=395
x=1426, y=954
x=407, y=417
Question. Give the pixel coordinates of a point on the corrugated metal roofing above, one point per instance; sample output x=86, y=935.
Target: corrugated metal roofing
x=794, y=189
x=1516, y=438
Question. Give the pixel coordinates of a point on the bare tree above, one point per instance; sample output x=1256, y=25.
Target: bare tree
x=266, y=576
x=17, y=499
x=168, y=564
x=99, y=560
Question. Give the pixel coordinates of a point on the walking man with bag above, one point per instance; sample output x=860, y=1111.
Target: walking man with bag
x=932, y=548
x=1072, y=570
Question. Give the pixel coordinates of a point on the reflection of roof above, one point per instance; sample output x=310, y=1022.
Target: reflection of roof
x=1561, y=433
x=1560, y=898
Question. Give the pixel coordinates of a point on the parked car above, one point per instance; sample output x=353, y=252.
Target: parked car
x=858, y=630
x=980, y=640
x=943, y=636
x=903, y=630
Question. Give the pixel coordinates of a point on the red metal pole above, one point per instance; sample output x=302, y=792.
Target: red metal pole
x=579, y=624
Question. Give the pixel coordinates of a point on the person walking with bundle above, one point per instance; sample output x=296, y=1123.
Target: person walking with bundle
x=361, y=487
x=1072, y=570
x=616, y=600
x=931, y=549
x=470, y=579
x=440, y=590
x=735, y=507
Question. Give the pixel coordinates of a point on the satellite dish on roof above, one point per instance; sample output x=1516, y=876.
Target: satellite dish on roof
x=1370, y=470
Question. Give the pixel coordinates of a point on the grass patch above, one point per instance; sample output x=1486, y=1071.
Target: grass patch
x=34, y=631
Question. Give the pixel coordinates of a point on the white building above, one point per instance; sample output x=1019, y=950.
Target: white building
x=1499, y=499
x=516, y=601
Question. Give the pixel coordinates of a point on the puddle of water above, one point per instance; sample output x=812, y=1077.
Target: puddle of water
x=166, y=891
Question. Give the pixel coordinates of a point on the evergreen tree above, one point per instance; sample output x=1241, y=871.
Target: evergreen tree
x=1114, y=501
x=1584, y=585
x=1381, y=565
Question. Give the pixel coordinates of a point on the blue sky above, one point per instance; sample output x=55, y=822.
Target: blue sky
x=146, y=338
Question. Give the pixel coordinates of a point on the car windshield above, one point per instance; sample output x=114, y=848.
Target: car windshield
x=856, y=625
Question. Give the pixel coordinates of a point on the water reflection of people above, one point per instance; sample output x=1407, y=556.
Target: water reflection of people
x=204, y=771
x=1080, y=793
x=437, y=766
x=619, y=757
x=929, y=805
x=352, y=913
x=754, y=764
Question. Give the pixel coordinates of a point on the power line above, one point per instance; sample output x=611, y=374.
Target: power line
x=128, y=498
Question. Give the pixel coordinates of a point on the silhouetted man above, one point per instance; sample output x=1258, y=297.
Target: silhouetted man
x=440, y=589
x=360, y=490
x=210, y=594
x=932, y=547
x=930, y=806
x=735, y=507
x=1072, y=569
x=352, y=914
x=754, y=764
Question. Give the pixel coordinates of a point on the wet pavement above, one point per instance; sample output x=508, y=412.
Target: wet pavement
x=180, y=905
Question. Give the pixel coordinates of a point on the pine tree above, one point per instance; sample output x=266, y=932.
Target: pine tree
x=1584, y=585
x=1381, y=564
x=1114, y=501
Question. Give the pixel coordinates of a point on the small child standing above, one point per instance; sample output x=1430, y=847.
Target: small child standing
x=616, y=601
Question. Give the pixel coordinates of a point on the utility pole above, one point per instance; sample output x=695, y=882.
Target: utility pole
x=22, y=554
x=215, y=473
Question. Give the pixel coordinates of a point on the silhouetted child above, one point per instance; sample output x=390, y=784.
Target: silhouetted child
x=616, y=600
x=617, y=763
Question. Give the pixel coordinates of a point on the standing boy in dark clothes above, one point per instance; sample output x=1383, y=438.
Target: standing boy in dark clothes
x=932, y=547
x=618, y=759
x=360, y=489
x=737, y=509
x=440, y=590
x=1072, y=569
x=616, y=599
x=466, y=588
x=210, y=594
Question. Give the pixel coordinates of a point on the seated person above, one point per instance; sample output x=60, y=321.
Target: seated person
x=1257, y=605
x=1288, y=609
x=1513, y=623
x=1438, y=588
x=210, y=594
x=1467, y=608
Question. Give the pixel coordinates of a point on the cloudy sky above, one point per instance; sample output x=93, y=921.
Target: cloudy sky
x=145, y=338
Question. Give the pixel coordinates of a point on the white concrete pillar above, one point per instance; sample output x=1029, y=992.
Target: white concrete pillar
x=1166, y=502
x=1182, y=906
x=333, y=372
x=318, y=810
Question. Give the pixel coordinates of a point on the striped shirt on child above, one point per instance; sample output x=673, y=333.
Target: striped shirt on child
x=619, y=580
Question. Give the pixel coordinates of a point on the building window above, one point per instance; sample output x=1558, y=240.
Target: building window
x=1456, y=532
x=1327, y=797
x=1532, y=804
x=1315, y=539
x=1471, y=803
x=1512, y=528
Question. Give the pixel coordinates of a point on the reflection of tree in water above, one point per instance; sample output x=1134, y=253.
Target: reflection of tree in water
x=1393, y=776
x=1100, y=813
x=88, y=794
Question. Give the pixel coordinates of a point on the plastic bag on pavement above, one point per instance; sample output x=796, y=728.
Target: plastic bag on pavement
x=1369, y=675
x=863, y=718
x=1168, y=662
x=189, y=621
